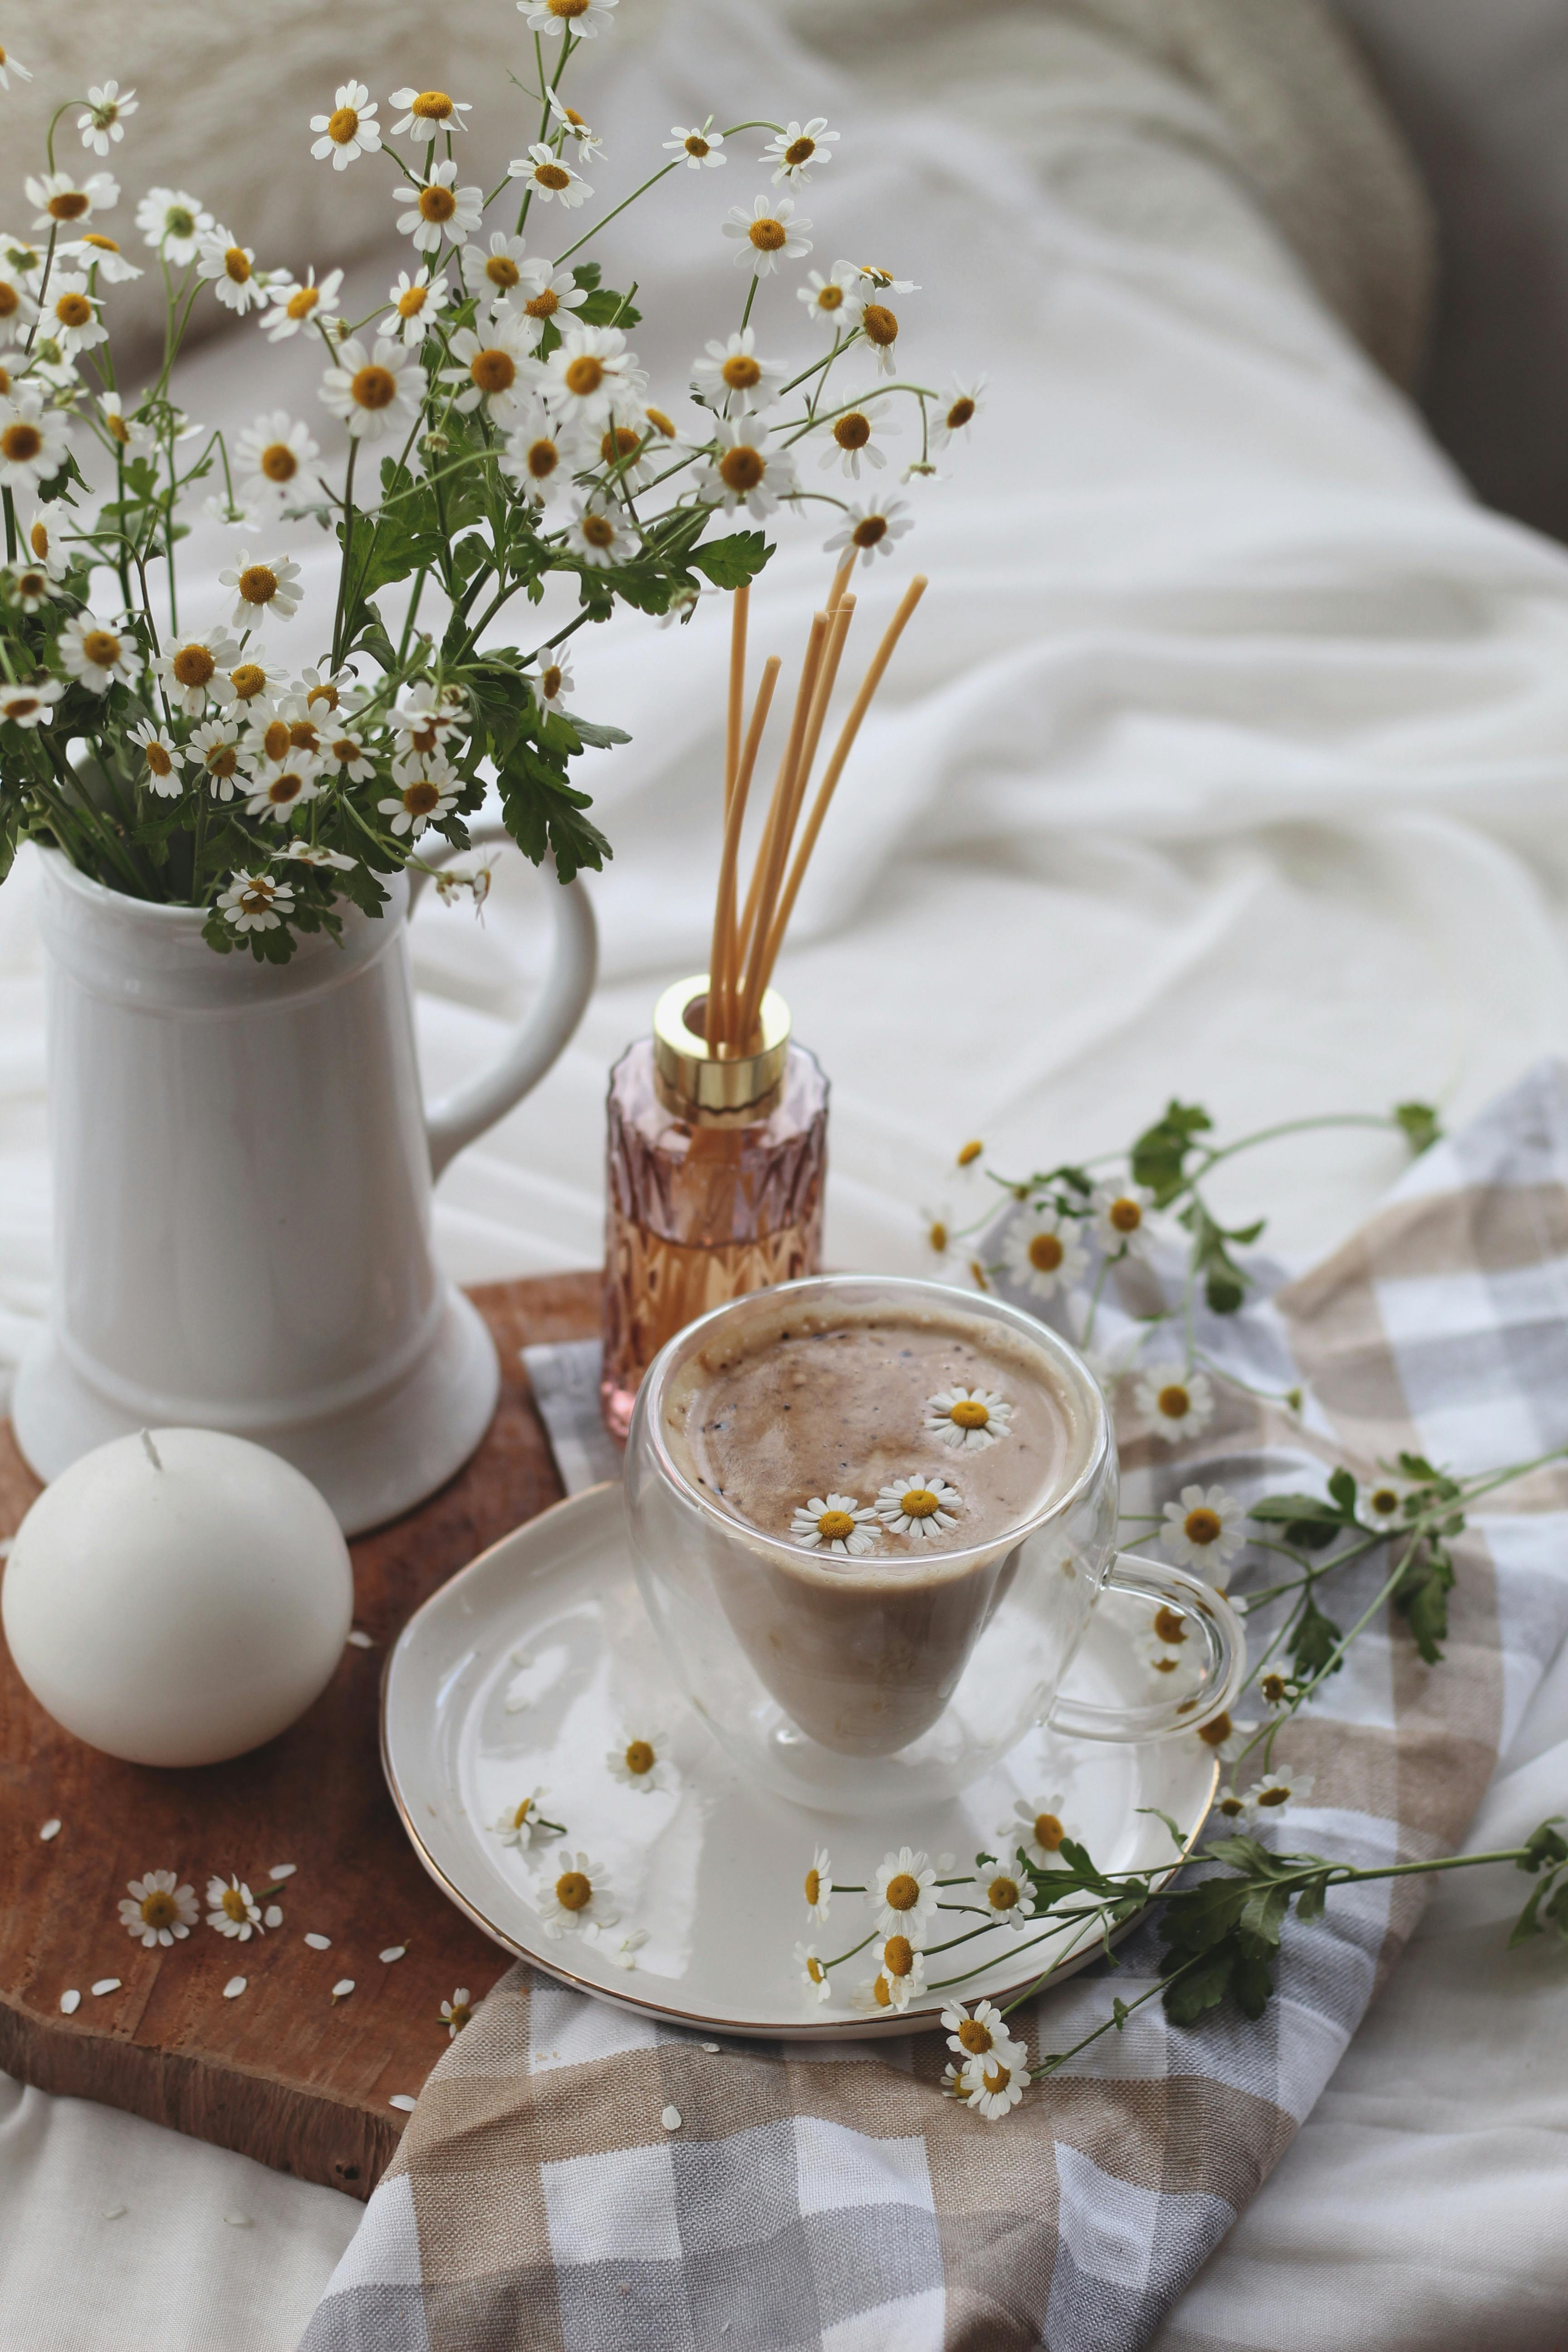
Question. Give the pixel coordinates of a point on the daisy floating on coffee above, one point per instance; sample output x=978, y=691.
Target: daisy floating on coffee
x=834, y=1523
x=922, y=1506
x=967, y=1419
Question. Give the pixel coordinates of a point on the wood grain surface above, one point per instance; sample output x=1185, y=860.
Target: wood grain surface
x=282, y=2073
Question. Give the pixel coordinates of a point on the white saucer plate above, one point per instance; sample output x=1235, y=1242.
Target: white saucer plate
x=537, y=1663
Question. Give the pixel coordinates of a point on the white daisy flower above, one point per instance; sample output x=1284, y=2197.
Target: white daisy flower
x=969, y=1419
x=155, y=1911
x=819, y=1885
x=422, y=798
x=45, y=545
x=543, y=294
x=583, y=19
x=743, y=472
x=699, y=150
x=414, y=303
x=1043, y=1253
x=872, y=530
x=901, y=1974
x=427, y=112
x=33, y=441
x=1038, y=1829
x=1269, y=1797
x=424, y=716
x=573, y=1898
x=314, y=853
x=1009, y=1900
x=954, y=2086
x=1229, y=1807
x=232, y=1909
x=549, y=178
x=837, y=1523
x=599, y=537
x=104, y=120
x=980, y=2032
x=797, y=146
x=376, y=392
x=493, y=369
x=173, y=224
x=216, y=748
x=879, y=327
x=814, y=1972
x=62, y=201
x=590, y=373
x=96, y=655
x=52, y=366
x=588, y=140
x=457, y=2012
x=254, y=902
x=262, y=587
x=905, y=1886
x=30, y=706
x=874, y=279
x=298, y=303
x=640, y=1764
x=553, y=683
x=17, y=307
x=31, y=586
x=134, y=437
x=1177, y=1403
x=769, y=233
x=965, y=403
x=350, y=131
x=161, y=758
x=230, y=269
x=271, y=456
x=731, y=377
x=193, y=668
x=537, y=458
x=437, y=207
x=495, y=272
x=520, y=1824
x=992, y=2086
x=1121, y=1220
x=1226, y=1740
x=1203, y=1531
x=9, y=65
x=95, y=252
x=1380, y=1505
x=850, y=438
x=281, y=786
x=921, y=1504
x=346, y=751
x=256, y=682
x=836, y=300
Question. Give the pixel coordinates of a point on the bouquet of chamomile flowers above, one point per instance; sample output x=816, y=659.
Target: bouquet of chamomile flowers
x=484, y=424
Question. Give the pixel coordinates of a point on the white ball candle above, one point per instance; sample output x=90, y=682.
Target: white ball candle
x=177, y=1597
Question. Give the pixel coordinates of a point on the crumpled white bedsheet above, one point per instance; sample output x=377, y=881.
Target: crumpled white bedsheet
x=1226, y=757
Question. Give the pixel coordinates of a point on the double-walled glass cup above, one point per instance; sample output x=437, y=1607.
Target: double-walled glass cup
x=839, y=1682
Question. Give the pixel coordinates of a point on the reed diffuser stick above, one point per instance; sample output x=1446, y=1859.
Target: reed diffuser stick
x=777, y=807
x=834, y=770
x=718, y=1025
x=841, y=579
x=740, y=613
x=780, y=828
x=828, y=677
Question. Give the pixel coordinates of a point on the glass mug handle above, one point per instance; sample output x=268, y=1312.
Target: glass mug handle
x=1208, y=1615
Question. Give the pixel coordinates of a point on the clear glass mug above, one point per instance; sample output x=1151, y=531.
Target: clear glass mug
x=840, y=1683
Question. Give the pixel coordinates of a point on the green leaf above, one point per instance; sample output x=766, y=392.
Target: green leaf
x=1158, y=1158
x=1419, y=1123
x=1311, y=1899
x=731, y=563
x=1178, y=1837
x=1251, y=1984
x=1343, y=1490
x=1263, y=1914
x=1313, y=1642
x=1545, y=1846
x=1120, y=2011
x=1202, y=1988
x=1421, y=1595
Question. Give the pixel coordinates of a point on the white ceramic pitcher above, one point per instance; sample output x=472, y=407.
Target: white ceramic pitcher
x=242, y=1175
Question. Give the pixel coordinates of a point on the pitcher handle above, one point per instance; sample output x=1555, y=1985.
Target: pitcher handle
x=1223, y=1651
x=466, y=1112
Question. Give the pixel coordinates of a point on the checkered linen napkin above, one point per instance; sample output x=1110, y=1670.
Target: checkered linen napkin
x=828, y=2196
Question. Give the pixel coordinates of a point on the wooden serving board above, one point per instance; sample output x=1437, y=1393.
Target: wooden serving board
x=282, y=2073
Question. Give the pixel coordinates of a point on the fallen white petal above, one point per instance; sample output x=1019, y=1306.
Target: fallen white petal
x=282, y=1870
x=234, y=1988
x=401, y=2100
x=51, y=1829
x=670, y=2119
x=342, y=1988
x=273, y=1916
x=107, y=1984
x=712, y=2048
x=393, y=1952
x=239, y=2221
x=320, y=1943
x=516, y=1705
x=358, y=1641
x=114, y=2213
x=71, y=2002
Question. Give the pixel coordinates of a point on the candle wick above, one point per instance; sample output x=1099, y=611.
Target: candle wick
x=150, y=1449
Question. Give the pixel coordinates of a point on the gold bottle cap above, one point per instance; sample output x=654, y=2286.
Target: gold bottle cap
x=724, y=1083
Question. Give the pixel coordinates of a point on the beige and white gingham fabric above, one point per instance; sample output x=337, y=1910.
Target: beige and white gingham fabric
x=829, y=2197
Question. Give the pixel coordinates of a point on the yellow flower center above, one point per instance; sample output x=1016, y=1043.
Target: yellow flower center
x=5, y=380
x=740, y=373
x=285, y=787
x=193, y=665
x=542, y=305
x=21, y=443
x=1174, y=1402
x=879, y=325
x=1273, y=1689
x=550, y=681
x=104, y=243
x=160, y=1909
x=639, y=1757
x=421, y=797
x=920, y=1503
x=1170, y=1625
x=1274, y=1797
x=493, y=371
x=1003, y=1894
x=432, y=105
x=814, y=1970
x=502, y=271
x=800, y=150
x=411, y=302
x=976, y=2037
x=233, y=1903
x=258, y=583
x=1163, y=1666
x=302, y=301
x=937, y=1235
x=573, y=1892
x=248, y=680
x=342, y=124
x=223, y=759
x=303, y=736
x=741, y=468
x=69, y=205
x=618, y=444
x=867, y=534
x=881, y=1991
x=279, y=463
x=373, y=387
x=20, y=706
x=968, y=1413
x=697, y=145
x=236, y=265
x=852, y=432
x=32, y=584
x=1045, y=1252
x=10, y=300
x=102, y=647
x=569, y=9
x=767, y=235
x=1385, y=1502
x=114, y=424
x=959, y=414
x=598, y=530
x=970, y=1154
x=898, y=1956
x=830, y=296
x=1125, y=1216
x=542, y=461
x=814, y=1887
x=345, y=752
x=997, y=2078
x=276, y=740
x=1215, y=1734
x=552, y=175
x=584, y=374
x=660, y=423
x=436, y=204
x=834, y=1525
x=39, y=538
x=1049, y=1832
x=903, y=1891
x=1229, y=1807
x=1203, y=1526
